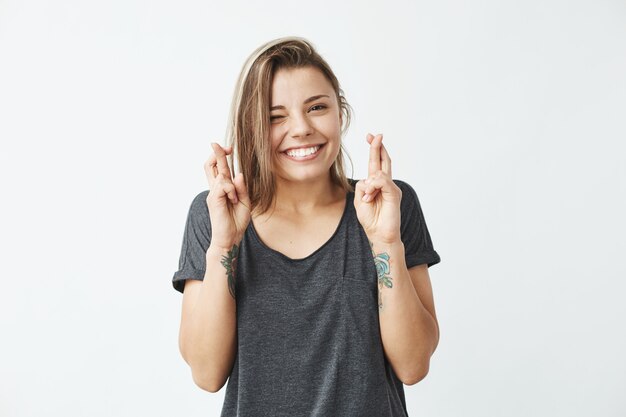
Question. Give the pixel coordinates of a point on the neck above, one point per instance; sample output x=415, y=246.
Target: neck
x=306, y=196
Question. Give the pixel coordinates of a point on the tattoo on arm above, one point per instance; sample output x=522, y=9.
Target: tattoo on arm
x=230, y=263
x=381, y=261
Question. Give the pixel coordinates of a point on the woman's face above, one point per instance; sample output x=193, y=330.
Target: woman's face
x=305, y=124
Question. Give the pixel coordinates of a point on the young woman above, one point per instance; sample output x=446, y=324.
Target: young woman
x=307, y=290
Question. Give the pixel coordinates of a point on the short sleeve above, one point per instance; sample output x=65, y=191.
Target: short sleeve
x=196, y=240
x=418, y=246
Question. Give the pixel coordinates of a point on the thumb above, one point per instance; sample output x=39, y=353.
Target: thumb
x=242, y=189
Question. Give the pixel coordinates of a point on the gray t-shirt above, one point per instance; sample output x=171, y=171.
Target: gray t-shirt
x=308, y=332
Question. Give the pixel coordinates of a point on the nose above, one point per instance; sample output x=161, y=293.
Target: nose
x=300, y=126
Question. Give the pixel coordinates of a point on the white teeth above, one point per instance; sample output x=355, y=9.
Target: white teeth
x=303, y=151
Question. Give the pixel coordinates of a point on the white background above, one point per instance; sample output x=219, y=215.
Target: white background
x=507, y=117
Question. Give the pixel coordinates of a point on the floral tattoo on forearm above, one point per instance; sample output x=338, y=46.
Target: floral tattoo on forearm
x=381, y=261
x=230, y=263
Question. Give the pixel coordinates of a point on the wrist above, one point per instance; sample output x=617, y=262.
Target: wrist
x=387, y=237
x=381, y=245
x=220, y=250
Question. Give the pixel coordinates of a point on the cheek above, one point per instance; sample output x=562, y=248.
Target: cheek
x=274, y=143
x=274, y=154
x=334, y=129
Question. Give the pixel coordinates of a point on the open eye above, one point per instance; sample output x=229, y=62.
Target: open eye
x=319, y=105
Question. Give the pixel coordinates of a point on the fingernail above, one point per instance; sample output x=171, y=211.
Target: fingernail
x=365, y=197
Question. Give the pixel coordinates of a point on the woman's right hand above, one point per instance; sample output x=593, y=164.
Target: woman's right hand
x=228, y=201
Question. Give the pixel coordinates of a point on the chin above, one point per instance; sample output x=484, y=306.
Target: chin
x=304, y=175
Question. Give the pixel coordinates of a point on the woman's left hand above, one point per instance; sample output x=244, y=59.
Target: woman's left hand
x=377, y=198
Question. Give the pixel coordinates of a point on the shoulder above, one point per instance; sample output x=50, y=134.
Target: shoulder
x=408, y=192
x=403, y=185
x=200, y=198
x=198, y=208
x=409, y=202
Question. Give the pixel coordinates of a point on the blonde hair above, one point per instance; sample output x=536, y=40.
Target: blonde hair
x=249, y=119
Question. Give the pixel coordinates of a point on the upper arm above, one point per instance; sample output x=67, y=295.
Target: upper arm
x=196, y=241
x=421, y=282
x=418, y=245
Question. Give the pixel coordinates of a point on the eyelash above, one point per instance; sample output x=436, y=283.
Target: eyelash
x=317, y=105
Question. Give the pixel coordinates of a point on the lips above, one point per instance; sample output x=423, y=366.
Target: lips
x=304, y=147
x=303, y=153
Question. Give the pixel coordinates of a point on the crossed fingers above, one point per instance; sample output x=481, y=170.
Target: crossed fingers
x=379, y=164
x=217, y=170
x=217, y=163
x=379, y=158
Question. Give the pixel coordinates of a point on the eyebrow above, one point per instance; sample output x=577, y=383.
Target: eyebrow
x=308, y=100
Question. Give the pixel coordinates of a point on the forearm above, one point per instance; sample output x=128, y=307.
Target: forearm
x=210, y=335
x=409, y=332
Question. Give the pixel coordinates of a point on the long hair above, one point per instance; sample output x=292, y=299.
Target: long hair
x=249, y=119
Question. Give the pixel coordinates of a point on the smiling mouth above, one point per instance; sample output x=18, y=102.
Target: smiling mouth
x=303, y=152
